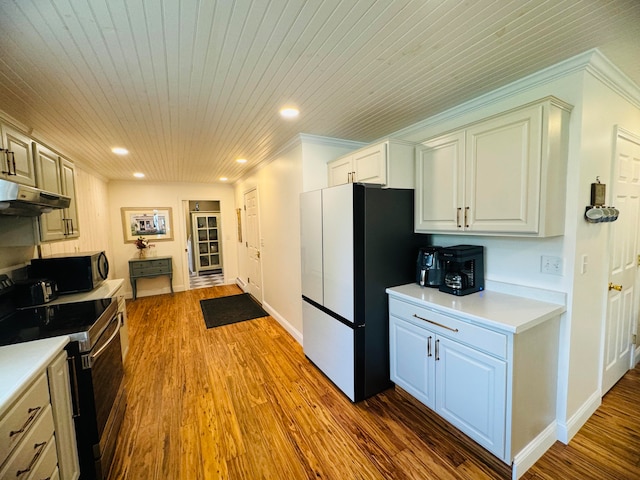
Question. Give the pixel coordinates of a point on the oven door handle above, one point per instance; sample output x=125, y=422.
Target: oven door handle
x=96, y=354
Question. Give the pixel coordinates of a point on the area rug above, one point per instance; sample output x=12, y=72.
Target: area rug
x=231, y=309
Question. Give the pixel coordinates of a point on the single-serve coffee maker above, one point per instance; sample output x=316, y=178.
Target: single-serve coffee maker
x=429, y=271
x=463, y=267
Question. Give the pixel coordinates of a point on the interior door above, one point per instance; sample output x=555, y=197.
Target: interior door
x=254, y=265
x=622, y=301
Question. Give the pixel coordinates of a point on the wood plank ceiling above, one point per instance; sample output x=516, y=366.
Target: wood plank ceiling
x=189, y=86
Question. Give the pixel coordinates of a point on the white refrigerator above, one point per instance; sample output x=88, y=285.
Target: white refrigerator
x=356, y=240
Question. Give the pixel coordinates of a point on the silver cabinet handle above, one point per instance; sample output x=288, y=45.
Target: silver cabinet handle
x=429, y=347
x=435, y=323
x=437, y=350
x=458, y=217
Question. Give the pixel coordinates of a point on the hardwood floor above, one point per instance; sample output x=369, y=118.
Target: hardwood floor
x=242, y=402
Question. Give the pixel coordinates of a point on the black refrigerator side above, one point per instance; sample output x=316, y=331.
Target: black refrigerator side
x=385, y=248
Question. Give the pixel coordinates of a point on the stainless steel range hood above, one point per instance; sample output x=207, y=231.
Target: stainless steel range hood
x=24, y=201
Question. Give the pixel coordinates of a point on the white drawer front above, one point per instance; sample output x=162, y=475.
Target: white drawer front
x=47, y=464
x=17, y=421
x=476, y=336
x=26, y=456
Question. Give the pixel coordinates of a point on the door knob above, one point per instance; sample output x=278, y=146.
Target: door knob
x=613, y=286
x=257, y=253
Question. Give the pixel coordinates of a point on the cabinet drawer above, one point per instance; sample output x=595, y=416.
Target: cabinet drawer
x=23, y=460
x=150, y=267
x=47, y=464
x=15, y=424
x=476, y=336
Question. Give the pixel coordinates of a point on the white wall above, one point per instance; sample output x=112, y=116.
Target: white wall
x=135, y=194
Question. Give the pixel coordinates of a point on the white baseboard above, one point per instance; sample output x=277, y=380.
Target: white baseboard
x=296, y=334
x=241, y=284
x=567, y=430
x=156, y=291
x=530, y=454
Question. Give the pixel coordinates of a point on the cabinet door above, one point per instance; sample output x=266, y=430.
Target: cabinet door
x=340, y=171
x=412, y=359
x=19, y=145
x=439, y=184
x=502, y=187
x=52, y=226
x=370, y=164
x=471, y=393
x=68, y=181
x=65, y=435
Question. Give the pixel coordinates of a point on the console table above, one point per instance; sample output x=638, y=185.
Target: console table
x=149, y=268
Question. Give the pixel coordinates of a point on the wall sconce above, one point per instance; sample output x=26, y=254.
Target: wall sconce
x=597, y=212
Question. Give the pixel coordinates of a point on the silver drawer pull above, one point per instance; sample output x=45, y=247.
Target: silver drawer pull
x=39, y=447
x=435, y=323
x=32, y=414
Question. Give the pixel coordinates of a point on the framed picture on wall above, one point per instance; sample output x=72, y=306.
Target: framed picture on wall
x=150, y=223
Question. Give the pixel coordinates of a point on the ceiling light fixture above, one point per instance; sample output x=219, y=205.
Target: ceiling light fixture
x=120, y=151
x=138, y=175
x=289, y=112
x=241, y=160
x=223, y=179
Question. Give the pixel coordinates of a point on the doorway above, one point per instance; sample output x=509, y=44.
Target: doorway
x=204, y=243
x=623, y=298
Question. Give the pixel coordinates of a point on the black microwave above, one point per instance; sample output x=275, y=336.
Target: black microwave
x=78, y=272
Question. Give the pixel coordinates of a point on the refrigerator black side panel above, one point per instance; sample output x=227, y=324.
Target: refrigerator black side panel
x=385, y=249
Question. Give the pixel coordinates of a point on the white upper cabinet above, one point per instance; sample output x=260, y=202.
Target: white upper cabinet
x=388, y=163
x=17, y=159
x=505, y=175
x=56, y=174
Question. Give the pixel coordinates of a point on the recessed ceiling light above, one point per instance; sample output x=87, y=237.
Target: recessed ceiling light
x=241, y=160
x=223, y=179
x=138, y=175
x=120, y=151
x=289, y=112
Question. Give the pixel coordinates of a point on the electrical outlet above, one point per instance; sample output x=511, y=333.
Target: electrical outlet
x=551, y=265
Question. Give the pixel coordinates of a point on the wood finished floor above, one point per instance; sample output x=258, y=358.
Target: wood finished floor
x=242, y=402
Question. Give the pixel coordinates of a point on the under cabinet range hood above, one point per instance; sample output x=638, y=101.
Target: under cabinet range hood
x=24, y=201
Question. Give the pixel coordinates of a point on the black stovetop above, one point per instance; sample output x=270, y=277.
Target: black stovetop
x=76, y=319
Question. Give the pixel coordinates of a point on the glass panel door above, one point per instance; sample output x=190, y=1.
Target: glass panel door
x=207, y=246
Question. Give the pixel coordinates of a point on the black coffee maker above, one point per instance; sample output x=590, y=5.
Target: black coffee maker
x=463, y=267
x=429, y=271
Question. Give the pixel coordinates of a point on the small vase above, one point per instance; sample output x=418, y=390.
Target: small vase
x=142, y=253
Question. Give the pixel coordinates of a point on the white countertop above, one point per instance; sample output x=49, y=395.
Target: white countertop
x=498, y=311
x=20, y=364
x=106, y=289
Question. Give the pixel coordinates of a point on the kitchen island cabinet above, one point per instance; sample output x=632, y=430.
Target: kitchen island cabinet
x=505, y=175
x=486, y=363
x=35, y=403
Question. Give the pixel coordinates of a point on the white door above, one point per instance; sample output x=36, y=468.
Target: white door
x=254, y=266
x=622, y=304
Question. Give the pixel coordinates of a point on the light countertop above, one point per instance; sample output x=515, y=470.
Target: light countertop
x=494, y=310
x=106, y=289
x=20, y=364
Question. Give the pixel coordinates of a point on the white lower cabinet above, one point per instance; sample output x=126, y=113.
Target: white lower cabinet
x=486, y=363
x=37, y=433
x=463, y=385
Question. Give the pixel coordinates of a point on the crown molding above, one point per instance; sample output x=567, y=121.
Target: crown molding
x=592, y=61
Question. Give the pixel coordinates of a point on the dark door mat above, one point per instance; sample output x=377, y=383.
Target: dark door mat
x=231, y=309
